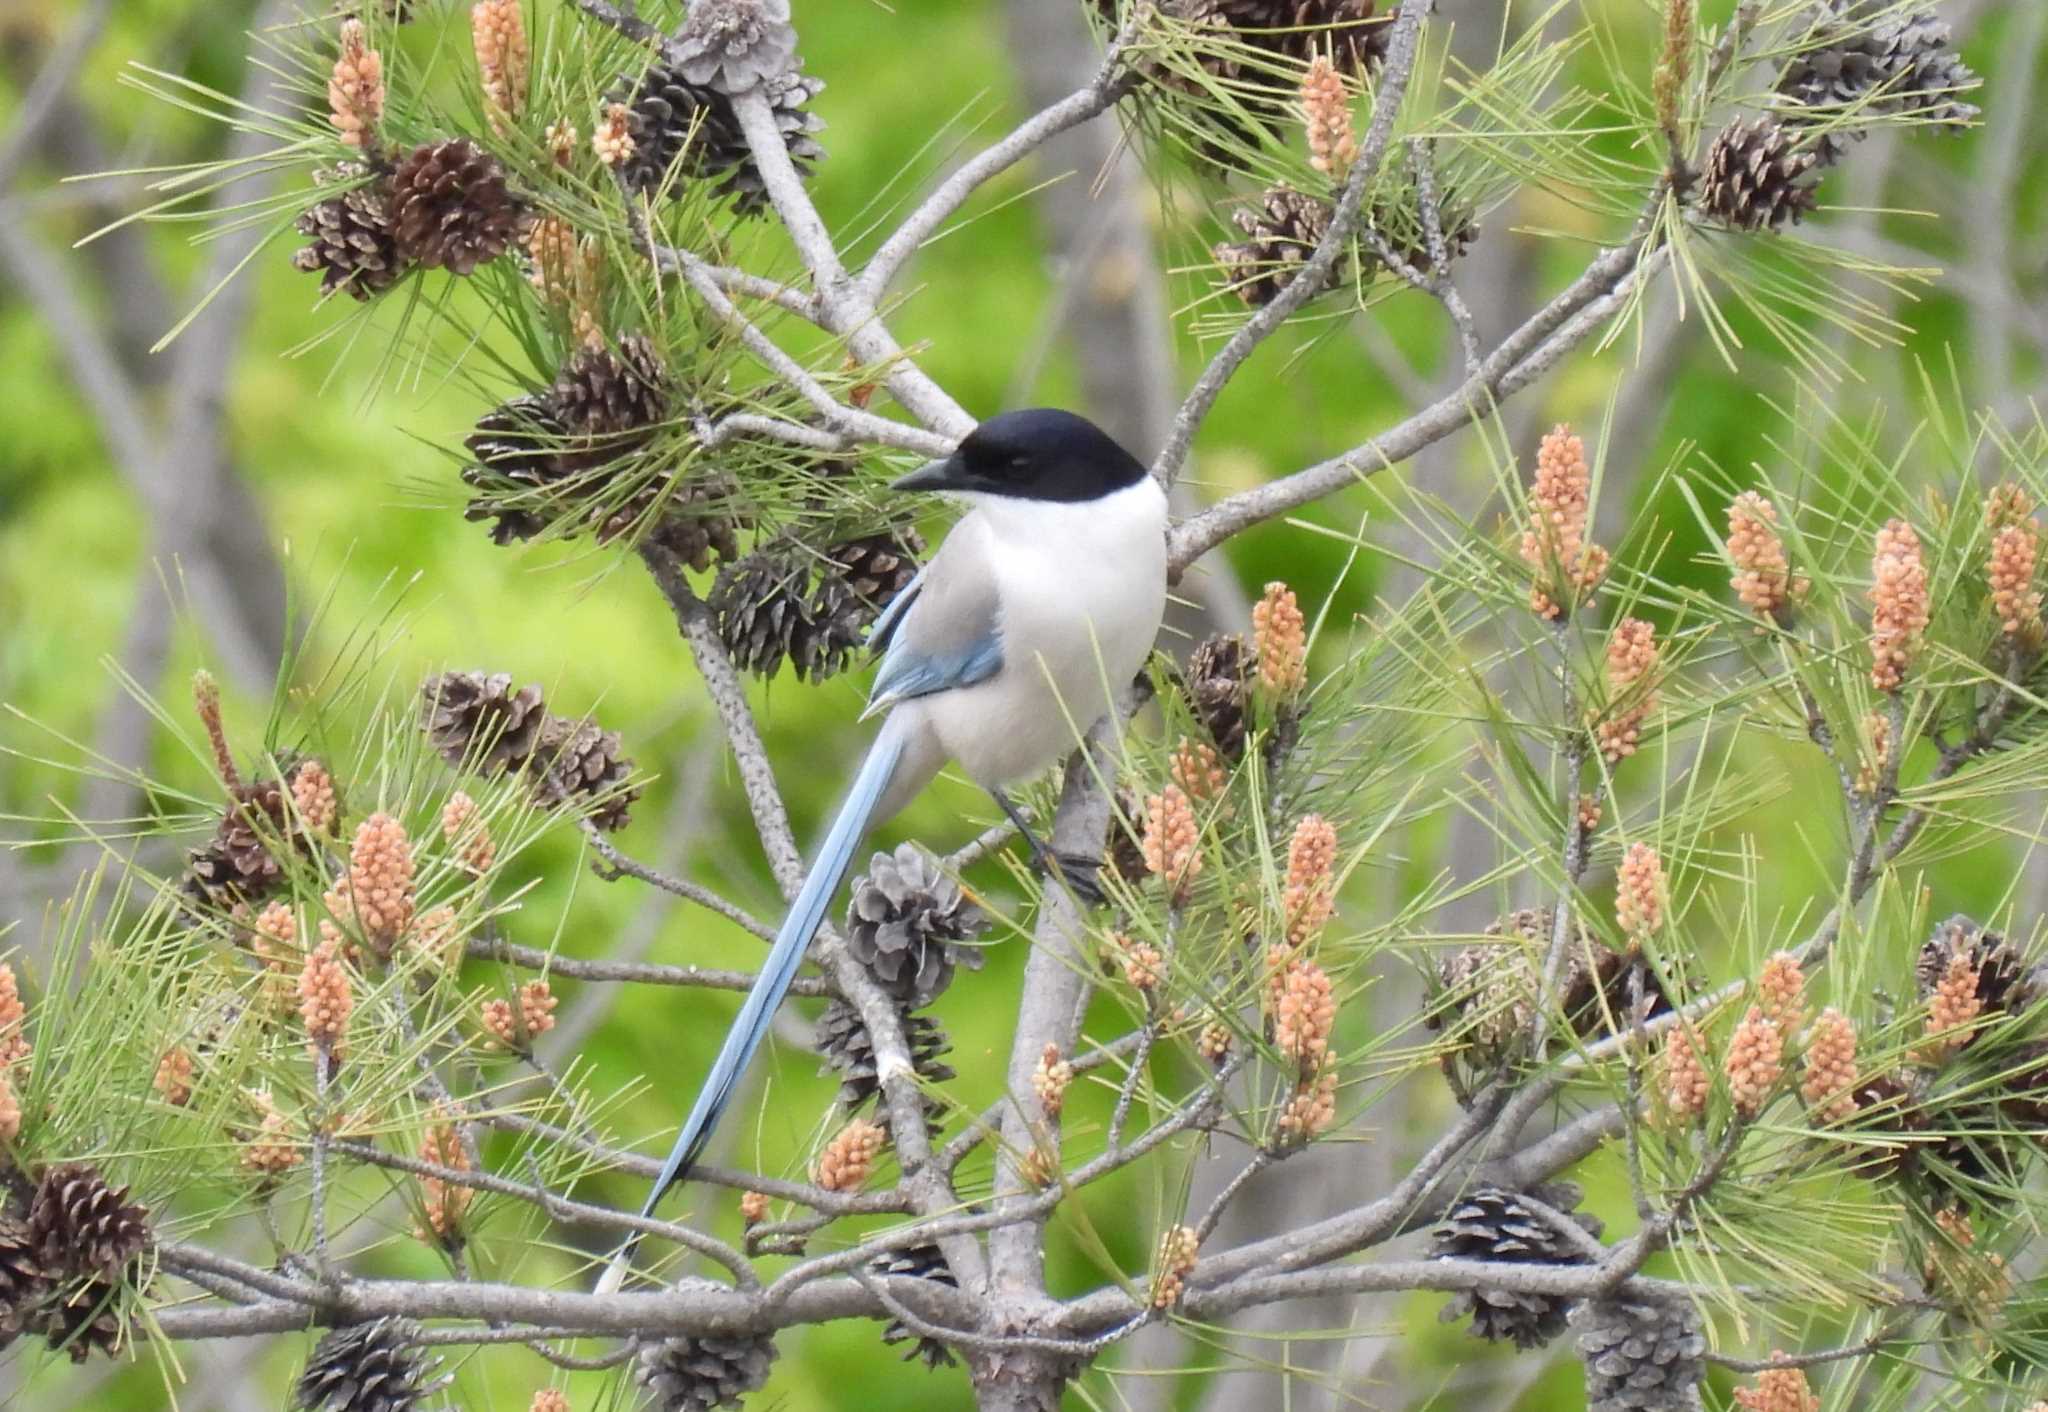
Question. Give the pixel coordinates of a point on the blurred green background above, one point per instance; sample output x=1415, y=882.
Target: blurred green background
x=154, y=511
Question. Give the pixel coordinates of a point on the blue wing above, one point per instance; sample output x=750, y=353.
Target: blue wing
x=944, y=631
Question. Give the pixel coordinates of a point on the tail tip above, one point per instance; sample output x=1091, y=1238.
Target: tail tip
x=614, y=1277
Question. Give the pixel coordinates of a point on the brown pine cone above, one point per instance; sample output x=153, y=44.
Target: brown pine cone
x=1757, y=177
x=451, y=207
x=80, y=1225
x=354, y=245
x=478, y=722
x=577, y=764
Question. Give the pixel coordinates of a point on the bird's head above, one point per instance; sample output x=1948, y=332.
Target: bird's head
x=1041, y=453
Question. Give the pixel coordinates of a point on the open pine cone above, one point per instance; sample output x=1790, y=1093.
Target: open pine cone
x=79, y=1225
x=1757, y=176
x=354, y=243
x=1496, y=1225
x=685, y=131
x=847, y=1047
x=451, y=207
x=378, y=1366
x=916, y=1262
x=691, y=1373
x=478, y=722
x=904, y=921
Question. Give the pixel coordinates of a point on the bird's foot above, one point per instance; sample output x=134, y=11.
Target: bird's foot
x=1080, y=874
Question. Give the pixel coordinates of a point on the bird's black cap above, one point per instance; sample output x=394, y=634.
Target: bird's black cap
x=1041, y=453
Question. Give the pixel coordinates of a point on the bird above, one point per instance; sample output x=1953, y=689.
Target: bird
x=1008, y=645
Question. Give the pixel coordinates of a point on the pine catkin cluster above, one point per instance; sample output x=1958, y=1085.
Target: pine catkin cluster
x=270, y=1150
x=1829, y=1083
x=2010, y=569
x=1874, y=757
x=326, y=999
x=753, y=1207
x=1756, y=1061
x=1172, y=840
x=1899, y=605
x=355, y=88
x=1954, y=1006
x=498, y=32
x=1049, y=1080
x=467, y=834
x=849, y=1158
x=1781, y=991
x=1763, y=575
x=1197, y=770
x=314, y=799
x=1142, y=962
x=1565, y=565
x=1639, y=893
x=1778, y=1390
x=1683, y=1083
x=444, y=1202
x=1280, y=641
x=549, y=1399
x=1178, y=1250
x=377, y=892
x=1309, y=899
x=535, y=1016
x=1326, y=114
x=173, y=1078
x=1631, y=688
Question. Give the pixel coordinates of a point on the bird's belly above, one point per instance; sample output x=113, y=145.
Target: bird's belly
x=1058, y=679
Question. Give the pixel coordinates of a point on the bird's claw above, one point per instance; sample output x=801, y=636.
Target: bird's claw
x=1079, y=873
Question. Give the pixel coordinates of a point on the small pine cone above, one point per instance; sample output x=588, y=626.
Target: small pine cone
x=355, y=88
x=1781, y=991
x=1040, y=1167
x=86, y=1319
x=497, y=31
x=236, y=865
x=1218, y=680
x=1311, y=1110
x=354, y=243
x=326, y=998
x=1757, y=176
x=173, y=1077
x=451, y=207
x=695, y=1373
x=444, y=1202
x=515, y=1030
x=1304, y=1016
x=1756, y=1061
x=1049, y=1080
x=1641, y=1356
x=753, y=1207
x=905, y=921
x=579, y=766
x=314, y=799
x=537, y=1002
x=1214, y=1042
x=521, y=453
x=849, y=1158
x=783, y=602
x=1632, y=659
x=735, y=46
x=1829, y=1084
x=479, y=722
x=698, y=521
x=1496, y=1225
x=1309, y=898
x=14, y=1041
x=845, y=1044
x=79, y=1225
x=1178, y=1251
x=270, y=1150
x=1683, y=1085
x=1778, y=1390
x=24, y=1279
x=374, y=1367
x=611, y=396
x=671, y=129
x=1566, y=566
x=1763, y=575
x=549, y=1399
x=1639, y=892
x=464, y=828
x=916, y=1262
x=1195, y=768
x=1279, y=236
x=1899, y=611
x=378, y=891
x=1172, y=841
x=1874, y=757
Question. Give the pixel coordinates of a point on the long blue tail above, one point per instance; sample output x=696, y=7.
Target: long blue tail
x=806, y=914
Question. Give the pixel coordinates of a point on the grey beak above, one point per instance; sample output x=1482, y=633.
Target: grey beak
x=935, y=475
